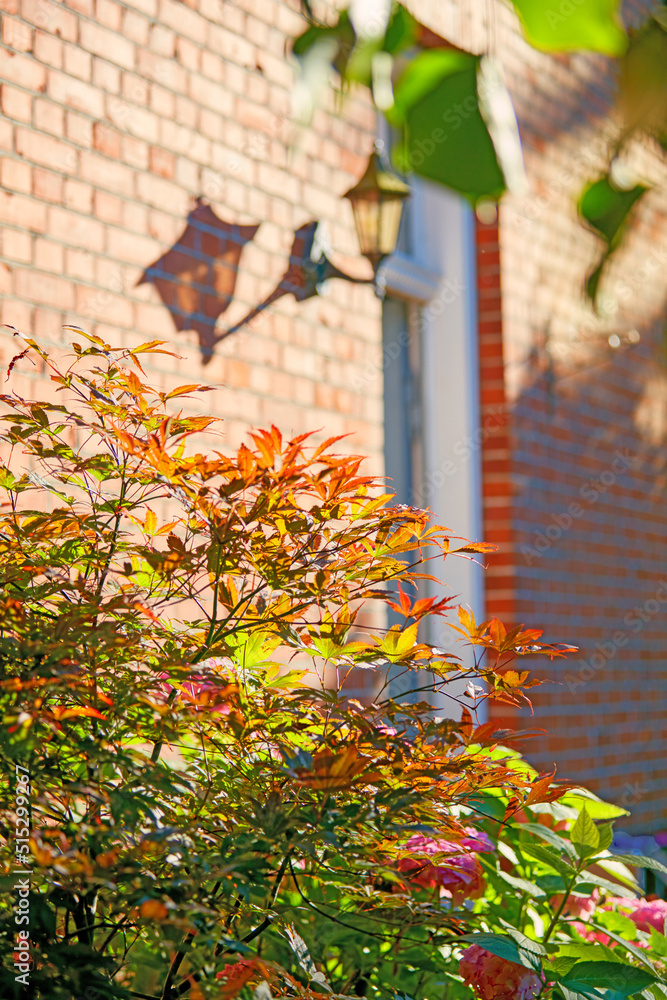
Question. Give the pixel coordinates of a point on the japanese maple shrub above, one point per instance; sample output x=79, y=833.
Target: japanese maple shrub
x=196, y=804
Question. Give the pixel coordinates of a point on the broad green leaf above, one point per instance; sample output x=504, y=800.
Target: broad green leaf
x=547, y=857
x=589, y=881
x=578, y=950
x=658, y=991
x=570, y=994
x=507, y=851
x=584, y=835
x=619, y=977
x=617, y=922
x=639, y=953
x=503, y=946
x=658, y=943
x=521, y=884
x=574, y=24
x=617, y=870
x=605, y=207
x=552, y=884
x=551, y=837
x=7, y=478
x=596, y=807
x=526, y=943
x=606, y=835
x=640, y=861
x=445, y=135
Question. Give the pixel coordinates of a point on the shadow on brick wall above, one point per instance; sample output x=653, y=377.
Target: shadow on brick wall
x=196, y=278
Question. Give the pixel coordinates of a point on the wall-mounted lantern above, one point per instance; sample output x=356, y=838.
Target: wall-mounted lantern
x=377, y=204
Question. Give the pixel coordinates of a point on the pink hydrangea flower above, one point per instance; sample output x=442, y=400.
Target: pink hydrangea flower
x=494, y=978
x=644, y=913
x=581, y=907
x=460, y=877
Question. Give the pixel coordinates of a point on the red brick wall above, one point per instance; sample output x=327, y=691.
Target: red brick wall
x=574, y=483
x=116, y=117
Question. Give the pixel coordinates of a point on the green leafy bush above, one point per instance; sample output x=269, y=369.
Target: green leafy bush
x=195, y=804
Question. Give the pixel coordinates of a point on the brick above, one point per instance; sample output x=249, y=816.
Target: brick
x=136, y=27
x=79, y=129
x=106, y=76
x=77, y=62
x=49, y=117
x=49, y=289
x=188, y=175
x=135, y=217
x=51, y=17
x=47, y=324
x=22, y=69
x=17, y=315
x=212, y=66
x=158, y=192
x=162, y=162
x=85, y=7
x=147, y=7
x=135, y=153
x=75, y=94
x=16, y=34
x=187, y=54
x=211, y=95
x=102, y=42
x=16, y=104
x=5, y=278
x=134, y=89
x=16, y=210
x=105, y=305
x=137, y=121
x=79, y=264
x=163, y=103
x=183, y=21
x=211, y=125
x=106, y=140
x=162, y=41
x=109, y=13
x=6, y=135
x=44, y=150
x=161, y=226
x=16, y=245
x=163, y=71
x=131, y=247
x=187, y=112
x=76, y=230
x=49, y=256
x=47, y=185
x=16, y=175
x=107, y=174
x=108, y=208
